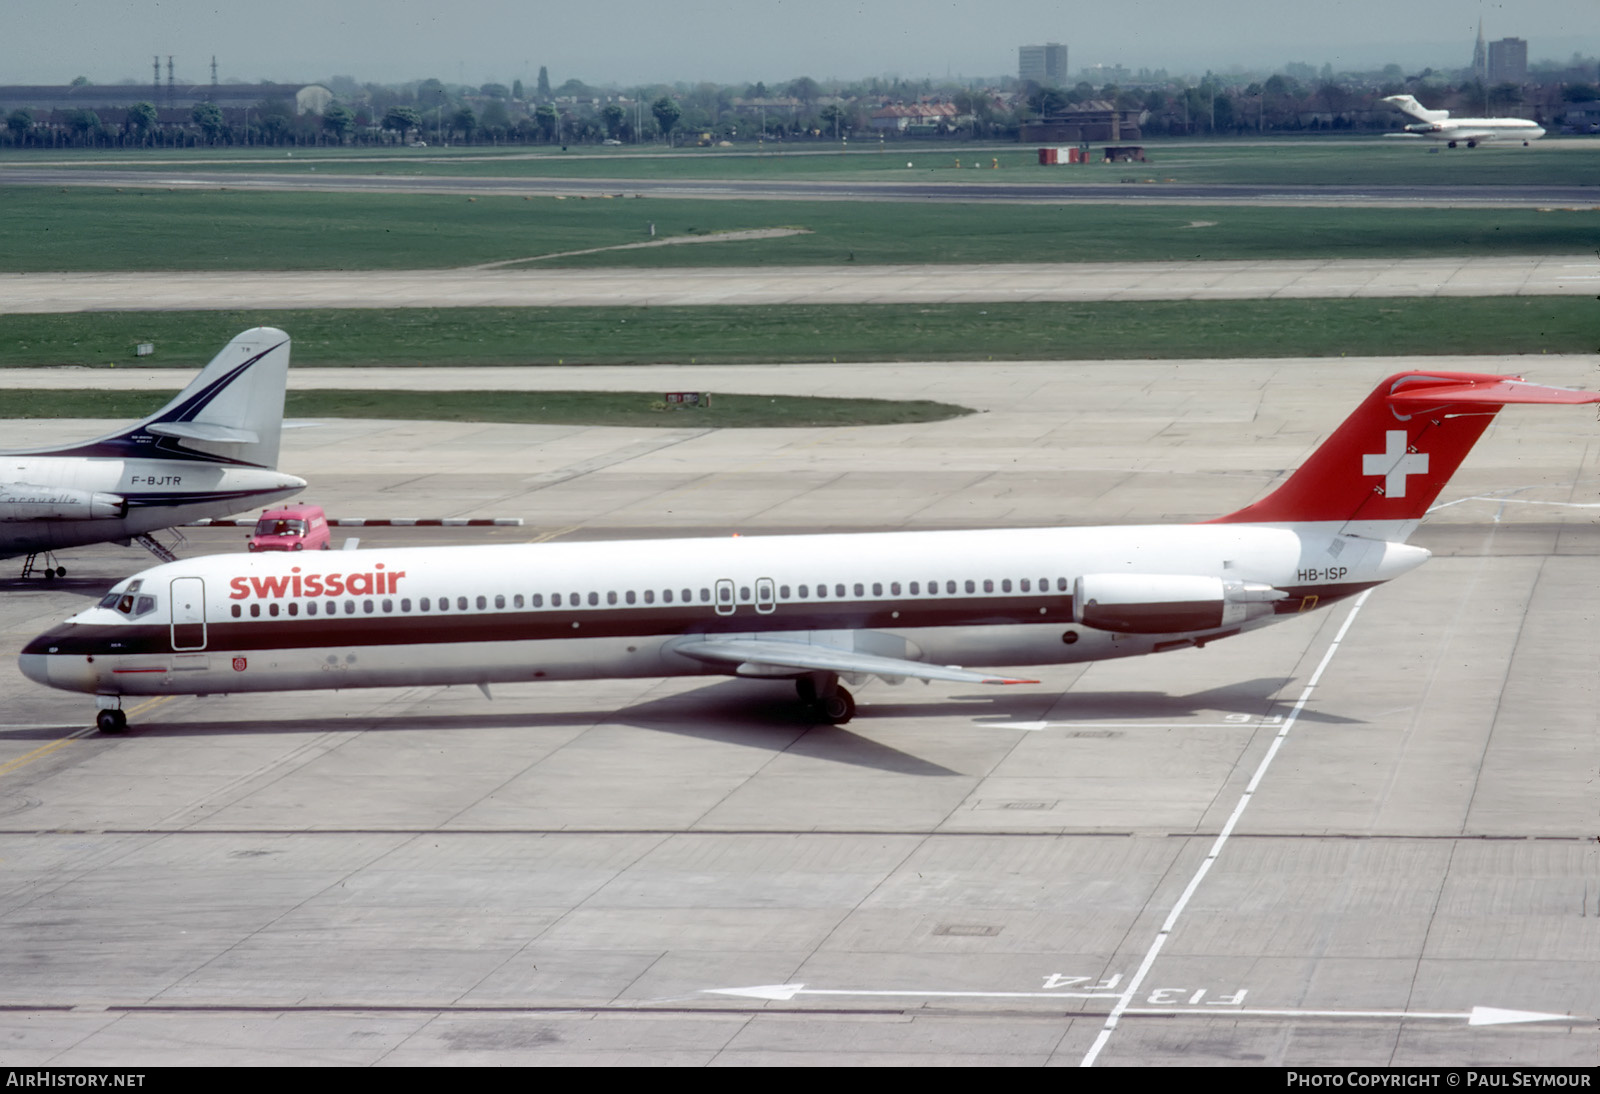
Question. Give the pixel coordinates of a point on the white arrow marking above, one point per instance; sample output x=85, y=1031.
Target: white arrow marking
x=1477, y=1016
x=786, y=992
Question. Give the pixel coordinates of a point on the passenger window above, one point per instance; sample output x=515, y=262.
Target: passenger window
x=804, y=592
x=744, y=593
x=1005, y=585
x=499, y=600
x=483, y=602
x=1026, y=585
x=859, y=590
x=611, y=598
x=405, y=604
x=822, y=592
x=311, y=607
x=594, y=599
x=424, y=604
x=272, y=609
x=237, y=611
x=783, y=592
x=838, y=590
x=630, y=597
x=461, y=603
x=649, y=596
x=950, y=587
x=516, y=601
x=537, y=600
x=914, y=589
x=666, y=596
x=366, y=607
x=255, y=611
x=349, y=607
x=1061, y=584
x=705, y=595
x=894, y=588
x=988, y=585
x=294, y=607
x=388, y=606
x=877, y=588
x=555, y=600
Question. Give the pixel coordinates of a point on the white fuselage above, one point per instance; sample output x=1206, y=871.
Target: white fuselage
x=479, y=615
x=1478, y=129
x=68, y=501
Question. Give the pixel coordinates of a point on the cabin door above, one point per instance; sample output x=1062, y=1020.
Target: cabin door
x=188, y=613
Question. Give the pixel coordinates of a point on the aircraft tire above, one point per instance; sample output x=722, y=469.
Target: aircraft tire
x=836, y=709
x=111, y=721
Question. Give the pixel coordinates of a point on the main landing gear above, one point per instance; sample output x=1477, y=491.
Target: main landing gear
x=49, y=570
x=824, y=699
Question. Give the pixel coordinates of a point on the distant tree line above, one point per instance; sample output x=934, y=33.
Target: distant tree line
x=1297, y=99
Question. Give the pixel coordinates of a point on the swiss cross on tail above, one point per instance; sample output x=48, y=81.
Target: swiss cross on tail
x=1394, y=463
x=1389, y=459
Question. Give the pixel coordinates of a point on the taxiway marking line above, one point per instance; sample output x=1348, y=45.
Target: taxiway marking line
x=55, y=746
x=41, y=752
x=1167, y=927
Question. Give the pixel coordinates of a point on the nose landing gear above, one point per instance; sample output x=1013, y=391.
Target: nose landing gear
x=111, y=721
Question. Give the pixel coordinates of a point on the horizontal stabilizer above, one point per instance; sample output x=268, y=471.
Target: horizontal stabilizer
x=1494, y=391
x=201, y=431
x=804, y=656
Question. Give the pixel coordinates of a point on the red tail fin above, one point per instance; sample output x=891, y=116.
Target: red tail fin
x=1392, y=457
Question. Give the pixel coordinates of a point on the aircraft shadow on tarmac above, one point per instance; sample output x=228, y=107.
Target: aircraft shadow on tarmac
x=90, y=588
x=1258, y=699
x=758, y=715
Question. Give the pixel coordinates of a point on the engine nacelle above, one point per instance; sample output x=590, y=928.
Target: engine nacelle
x=1167, y=603
x=23, y=502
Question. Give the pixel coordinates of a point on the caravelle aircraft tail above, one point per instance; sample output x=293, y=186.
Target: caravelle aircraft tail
x=1377, y=474
x=232, y=413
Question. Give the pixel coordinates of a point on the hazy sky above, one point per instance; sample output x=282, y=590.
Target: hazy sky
x=637, y=41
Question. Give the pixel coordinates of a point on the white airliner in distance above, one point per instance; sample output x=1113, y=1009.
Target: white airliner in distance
x=211, y=451
x=811, y=609
x=1440, y=126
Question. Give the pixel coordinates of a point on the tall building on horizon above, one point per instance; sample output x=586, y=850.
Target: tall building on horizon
x=1480, y=57
x=1045, y=65
x=1508, y=61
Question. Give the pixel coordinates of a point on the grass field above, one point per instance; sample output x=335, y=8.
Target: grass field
x=858, y=332
x=95, y=230
x=1301, y=161
x=545, y=408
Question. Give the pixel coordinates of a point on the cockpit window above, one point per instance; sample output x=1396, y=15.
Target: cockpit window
x=129, y=604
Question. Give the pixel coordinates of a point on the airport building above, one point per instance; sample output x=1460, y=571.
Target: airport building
x=1094, y=120
x=1044, y=65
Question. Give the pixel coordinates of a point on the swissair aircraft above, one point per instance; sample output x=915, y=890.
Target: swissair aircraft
x=1440, y=126
x=810, y=609
x=211, y=451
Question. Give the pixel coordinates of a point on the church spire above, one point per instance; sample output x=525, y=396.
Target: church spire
x=1480, y=57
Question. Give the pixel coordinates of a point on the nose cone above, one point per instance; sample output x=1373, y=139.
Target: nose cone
x=46, y=660
x=35, y=666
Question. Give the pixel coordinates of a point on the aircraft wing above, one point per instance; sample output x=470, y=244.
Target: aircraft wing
x=768, y=657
